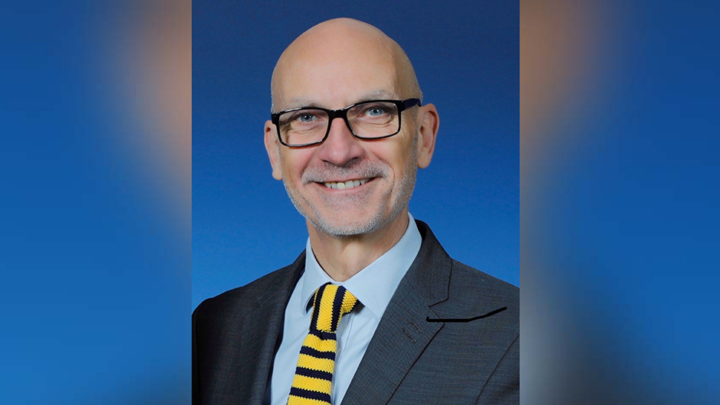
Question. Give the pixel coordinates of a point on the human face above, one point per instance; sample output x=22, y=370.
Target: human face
x=378, y=175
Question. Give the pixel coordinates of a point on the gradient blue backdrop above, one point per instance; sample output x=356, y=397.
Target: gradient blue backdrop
x=466, y=59
x=94, y=294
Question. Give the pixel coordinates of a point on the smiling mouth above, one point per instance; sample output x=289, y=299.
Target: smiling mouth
x=340, y=185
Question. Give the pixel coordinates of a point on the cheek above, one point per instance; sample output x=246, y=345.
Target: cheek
x=398, y=159
x=293, y=164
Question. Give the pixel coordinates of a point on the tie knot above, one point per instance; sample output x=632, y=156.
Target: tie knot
x=330, y=303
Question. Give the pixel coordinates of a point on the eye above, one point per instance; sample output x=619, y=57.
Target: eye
x=306, y=118
x=375, y=111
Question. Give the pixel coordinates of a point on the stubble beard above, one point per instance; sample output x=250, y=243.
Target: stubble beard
x=378, y=220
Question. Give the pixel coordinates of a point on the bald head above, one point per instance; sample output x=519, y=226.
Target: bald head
x=347, y=57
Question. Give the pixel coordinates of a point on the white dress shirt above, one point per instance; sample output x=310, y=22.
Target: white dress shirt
x=373, y=286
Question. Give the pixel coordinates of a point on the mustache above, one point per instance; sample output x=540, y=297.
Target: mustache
x=358, y=169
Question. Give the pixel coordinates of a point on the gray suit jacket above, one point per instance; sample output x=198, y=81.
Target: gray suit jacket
x=409, y=360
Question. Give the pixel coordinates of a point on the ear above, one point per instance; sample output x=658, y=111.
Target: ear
x=272, y=147
x=428, y=124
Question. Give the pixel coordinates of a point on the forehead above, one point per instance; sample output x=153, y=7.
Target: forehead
x=335, y=77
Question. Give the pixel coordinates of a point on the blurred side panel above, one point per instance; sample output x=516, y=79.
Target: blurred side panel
x=619, y=197
x=95, y=207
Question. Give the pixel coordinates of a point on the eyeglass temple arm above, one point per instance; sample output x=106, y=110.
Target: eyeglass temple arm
x=411, y=102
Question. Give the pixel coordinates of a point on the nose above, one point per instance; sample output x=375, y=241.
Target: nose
x=341, y=146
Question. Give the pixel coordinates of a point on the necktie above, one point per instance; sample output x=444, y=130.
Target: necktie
x=312, y=384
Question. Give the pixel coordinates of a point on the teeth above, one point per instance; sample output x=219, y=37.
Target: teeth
x=346, y=185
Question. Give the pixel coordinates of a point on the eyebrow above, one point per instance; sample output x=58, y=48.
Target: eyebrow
x=303, y=102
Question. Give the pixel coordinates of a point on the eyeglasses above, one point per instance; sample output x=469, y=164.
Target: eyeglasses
x=374, y=119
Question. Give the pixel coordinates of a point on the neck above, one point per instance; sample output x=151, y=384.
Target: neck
x=344, y=256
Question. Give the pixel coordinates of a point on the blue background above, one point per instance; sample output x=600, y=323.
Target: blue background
x=619, y=207
x=466, y=59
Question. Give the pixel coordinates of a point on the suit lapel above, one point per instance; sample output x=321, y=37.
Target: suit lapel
x=262, y=332
x=403, y=332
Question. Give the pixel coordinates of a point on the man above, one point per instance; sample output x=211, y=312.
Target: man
x=374, y=311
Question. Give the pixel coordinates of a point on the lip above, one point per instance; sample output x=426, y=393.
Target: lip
x=343, y=180
x=347, y=190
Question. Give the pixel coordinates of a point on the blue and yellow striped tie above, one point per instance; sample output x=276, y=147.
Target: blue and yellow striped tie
x=312, y=384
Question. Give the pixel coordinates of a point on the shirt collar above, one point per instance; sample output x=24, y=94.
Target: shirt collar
x=374, y=285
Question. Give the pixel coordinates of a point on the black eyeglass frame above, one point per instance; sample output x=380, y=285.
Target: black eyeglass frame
x=401, y=105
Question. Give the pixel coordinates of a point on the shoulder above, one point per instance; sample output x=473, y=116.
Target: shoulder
x=466, y=280
x=456, y=290
x=473, y=293
x=240, y=300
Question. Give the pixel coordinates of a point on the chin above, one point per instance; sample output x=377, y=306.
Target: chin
x=354, y=225
x=345, y=228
